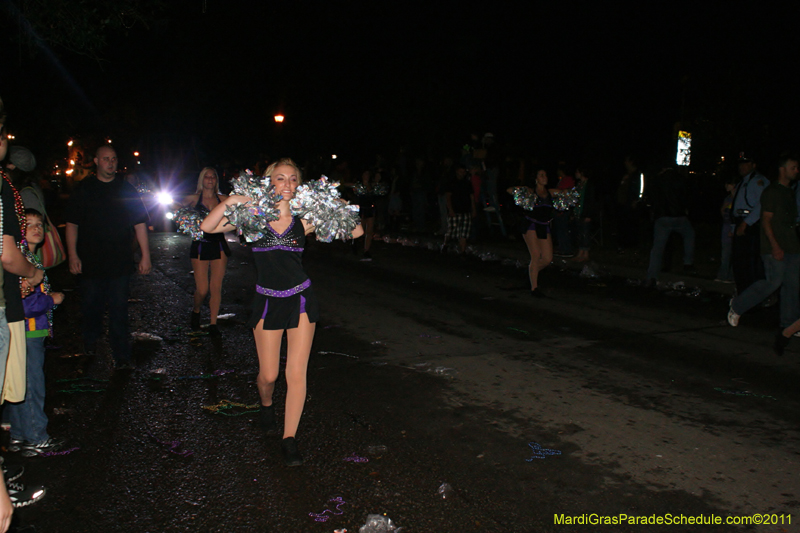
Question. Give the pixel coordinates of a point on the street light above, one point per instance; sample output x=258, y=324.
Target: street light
x=279, y=118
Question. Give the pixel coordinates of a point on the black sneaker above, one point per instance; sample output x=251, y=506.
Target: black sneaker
x=51, y=445
x=12, y=472
x=21, y=496
x=266, y=420
x=213, y=330
x=290, y=453
x=15, y=445
x=366, y=257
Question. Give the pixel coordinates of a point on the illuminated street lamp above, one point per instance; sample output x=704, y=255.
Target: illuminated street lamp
x=136, y=154
x=70, y=143
x=279, y=118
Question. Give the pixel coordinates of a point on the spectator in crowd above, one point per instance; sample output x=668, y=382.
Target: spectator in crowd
x=492, y=161
x=27, y=418
x=628, y=199
x=460, y=209
x=780, y=249
x=668, y=194
x=561, y=220
x=746, y=253
x=725, y=272
x=104, y=216
x=586, y=214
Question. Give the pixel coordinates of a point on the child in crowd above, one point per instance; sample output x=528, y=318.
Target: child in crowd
x=725, y=273
x=27, y=419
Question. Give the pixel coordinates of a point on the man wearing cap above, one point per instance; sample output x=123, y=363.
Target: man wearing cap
x=746, y=214
x=780, y=249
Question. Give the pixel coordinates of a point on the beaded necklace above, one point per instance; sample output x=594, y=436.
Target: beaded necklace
x=19, y=210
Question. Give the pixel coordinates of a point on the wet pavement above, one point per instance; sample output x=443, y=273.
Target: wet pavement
x=427, y=369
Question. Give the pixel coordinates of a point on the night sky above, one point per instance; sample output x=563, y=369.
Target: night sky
x=556, y=81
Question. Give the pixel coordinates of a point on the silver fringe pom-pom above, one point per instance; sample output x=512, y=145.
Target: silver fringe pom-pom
x=251, y=219
x=524, y=197
x=562, y=199
x=380, y=189
x=318, y=202
x=188, y=221
x=376, y=189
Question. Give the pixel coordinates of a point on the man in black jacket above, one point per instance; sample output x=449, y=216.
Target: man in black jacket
x=668, y=194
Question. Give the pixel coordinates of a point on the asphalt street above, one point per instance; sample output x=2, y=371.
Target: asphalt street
x=431, y=375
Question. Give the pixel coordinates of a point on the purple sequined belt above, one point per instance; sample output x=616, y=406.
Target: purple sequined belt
x=283, y=294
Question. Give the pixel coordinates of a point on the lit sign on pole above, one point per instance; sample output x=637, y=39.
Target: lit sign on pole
x=684, y=155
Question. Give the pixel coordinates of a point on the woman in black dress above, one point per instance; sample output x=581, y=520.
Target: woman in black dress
x=284, y=301
x=209, y=254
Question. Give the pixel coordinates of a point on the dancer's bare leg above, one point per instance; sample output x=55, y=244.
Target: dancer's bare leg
x=200, y=283
x=268, y=346
x=299, y=349
x=218, y=267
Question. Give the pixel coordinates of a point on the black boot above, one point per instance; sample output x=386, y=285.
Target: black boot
x=781, y=343
x=290, y=453
x=266, y=420
x=195, y=321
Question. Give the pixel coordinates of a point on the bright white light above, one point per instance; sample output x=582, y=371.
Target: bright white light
x=684, y=155
x=641, y=185
x=170, y=215
x=333, y=156
x=70, y=143
x=164, y=198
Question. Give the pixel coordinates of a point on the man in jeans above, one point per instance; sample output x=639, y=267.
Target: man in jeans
x=104, y=216
x=780, y=249
x=668, y=194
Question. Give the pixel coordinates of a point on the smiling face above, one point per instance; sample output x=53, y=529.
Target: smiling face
x=285, y=179
x=35, y=229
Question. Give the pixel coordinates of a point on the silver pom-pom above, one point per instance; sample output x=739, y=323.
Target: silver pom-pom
x=524, y=197
x=564, y=199
x=376, y=189
x=318, y=202
x=251, y=219
x=380, y=189
x=188, y=221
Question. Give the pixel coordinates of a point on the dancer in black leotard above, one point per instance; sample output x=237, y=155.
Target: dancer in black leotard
x=209, y=254
x=284, y=301
x=536, y=231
